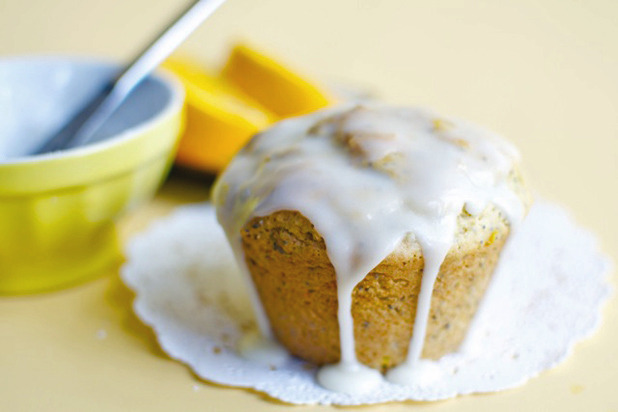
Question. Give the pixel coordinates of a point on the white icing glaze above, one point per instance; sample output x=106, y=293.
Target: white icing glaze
x=365, y=177
x=423, y=372
x=259, y=346
x=352, y=378
x=262, y=349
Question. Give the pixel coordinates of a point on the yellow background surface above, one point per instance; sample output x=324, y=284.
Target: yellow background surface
x=542, y=72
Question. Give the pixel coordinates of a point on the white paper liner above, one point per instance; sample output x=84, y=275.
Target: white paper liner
x=546, y=295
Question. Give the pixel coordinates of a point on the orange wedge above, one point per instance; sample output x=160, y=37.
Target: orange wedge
x=225, y=109
x=220, y=120
x=273, y=85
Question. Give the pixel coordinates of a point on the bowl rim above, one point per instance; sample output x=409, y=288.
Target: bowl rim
x=164, y=77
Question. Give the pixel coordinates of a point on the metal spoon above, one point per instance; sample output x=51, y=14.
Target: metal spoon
x=80, y=129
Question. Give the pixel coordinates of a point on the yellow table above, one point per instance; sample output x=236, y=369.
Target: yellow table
x=542, y=72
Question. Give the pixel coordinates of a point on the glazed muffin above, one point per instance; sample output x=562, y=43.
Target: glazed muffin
x=371, y=203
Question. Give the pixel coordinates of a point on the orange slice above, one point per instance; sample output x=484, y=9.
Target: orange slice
x=220, y=120
x=225, y=109
x=274, y=86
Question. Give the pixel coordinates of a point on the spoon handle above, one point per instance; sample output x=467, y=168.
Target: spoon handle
x=169, y=39
x=82, y=127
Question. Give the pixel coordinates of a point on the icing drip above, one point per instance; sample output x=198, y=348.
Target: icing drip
x=366, y=177
x=259, y=346
x=262, y=349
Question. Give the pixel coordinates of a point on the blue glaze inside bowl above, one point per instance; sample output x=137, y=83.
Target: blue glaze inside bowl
x=39, y=94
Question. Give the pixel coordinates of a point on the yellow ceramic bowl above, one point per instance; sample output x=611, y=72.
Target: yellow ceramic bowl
x=57, y=210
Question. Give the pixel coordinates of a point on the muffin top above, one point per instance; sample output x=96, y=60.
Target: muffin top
x=366, y=176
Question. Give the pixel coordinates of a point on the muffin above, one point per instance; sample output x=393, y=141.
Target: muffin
x=370, y=234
